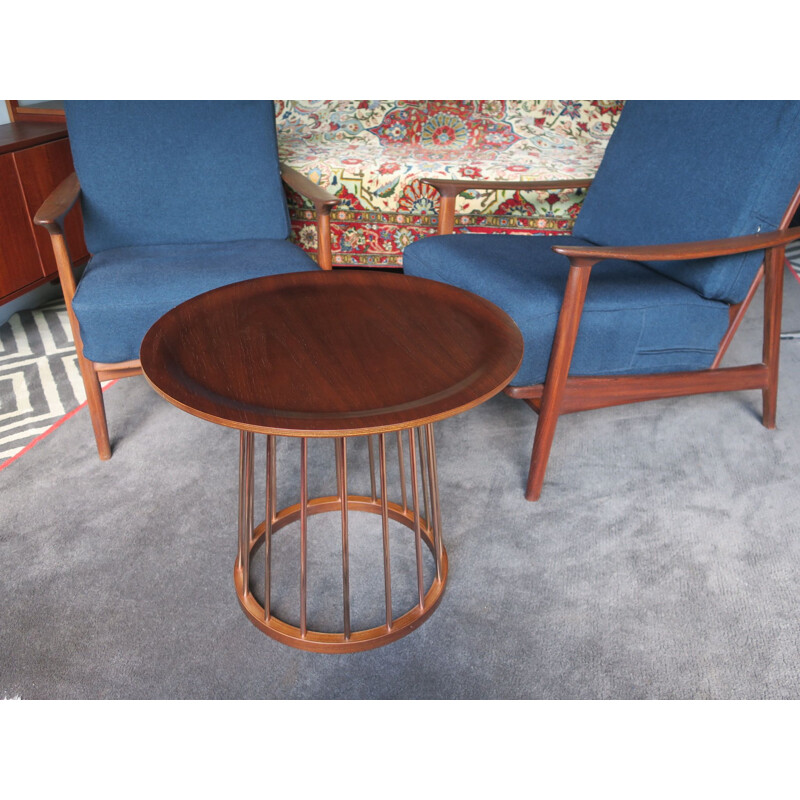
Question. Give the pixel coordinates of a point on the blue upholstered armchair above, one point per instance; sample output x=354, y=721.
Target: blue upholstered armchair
x=178, y=198
x=689, y=210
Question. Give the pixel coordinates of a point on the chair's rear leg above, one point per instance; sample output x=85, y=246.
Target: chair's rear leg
x=97, y=409
x=769, y=404
x=569, y=320
x=773, y=304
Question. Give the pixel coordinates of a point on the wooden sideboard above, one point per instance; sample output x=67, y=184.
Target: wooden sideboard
x=34, y=158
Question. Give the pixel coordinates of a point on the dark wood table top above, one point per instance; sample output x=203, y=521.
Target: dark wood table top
x=331, y=353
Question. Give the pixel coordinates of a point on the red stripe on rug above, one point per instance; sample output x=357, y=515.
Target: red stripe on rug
x=51, y=429
x=792, y=270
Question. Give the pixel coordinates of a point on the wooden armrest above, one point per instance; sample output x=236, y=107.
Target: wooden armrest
x=683, y=250
x=451, y=187
x=56, y=206
x=51, y=217
x=324, y=202
x=322, y=199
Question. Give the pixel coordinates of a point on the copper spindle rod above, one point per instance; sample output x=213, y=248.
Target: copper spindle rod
x=387, y=575
x=245, y=506
x=371, y=468
x=341, y=480
x=412, y=457
x=435, y=509
x=240, y=556
x=303, y=532
x=424, y=476
x=402, y=471
x=272, y=486
x=269, y=518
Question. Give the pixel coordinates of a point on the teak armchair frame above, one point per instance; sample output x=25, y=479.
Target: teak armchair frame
x=564, y=394
x=51, y=216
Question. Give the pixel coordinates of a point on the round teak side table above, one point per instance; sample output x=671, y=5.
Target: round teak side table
x=335, y=355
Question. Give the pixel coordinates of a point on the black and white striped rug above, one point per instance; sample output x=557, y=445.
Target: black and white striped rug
x=793, y=255
x=40, y=382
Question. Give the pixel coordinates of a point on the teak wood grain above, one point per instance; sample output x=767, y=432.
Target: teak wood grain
x=16, y=135
x=588, y=255
x=331, y=353
x=41, y=169
x=33, y=159
x=19, y=259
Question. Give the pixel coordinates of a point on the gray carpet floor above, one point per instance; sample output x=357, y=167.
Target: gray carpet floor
x=663, y=560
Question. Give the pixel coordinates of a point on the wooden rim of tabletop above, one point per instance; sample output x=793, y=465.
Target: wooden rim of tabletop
x=331, y=353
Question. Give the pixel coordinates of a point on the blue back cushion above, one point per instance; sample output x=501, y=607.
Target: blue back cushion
x=680, y=171
x=177, y=172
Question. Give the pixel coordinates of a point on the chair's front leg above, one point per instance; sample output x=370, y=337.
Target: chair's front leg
x=97, y=408
x=557, y=371
x=91, y=381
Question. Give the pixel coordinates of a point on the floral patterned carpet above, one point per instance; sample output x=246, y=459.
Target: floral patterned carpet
x=373, y=155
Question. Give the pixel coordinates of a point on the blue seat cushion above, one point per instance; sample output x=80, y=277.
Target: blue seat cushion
x=689, y=170
x=176, y=172
x=124, y=291
x=635, y=320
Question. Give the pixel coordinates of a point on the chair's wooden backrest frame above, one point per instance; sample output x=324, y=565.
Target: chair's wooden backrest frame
x=738, y=311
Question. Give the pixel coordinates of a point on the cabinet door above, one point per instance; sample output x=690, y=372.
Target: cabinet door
x=41, y=169
x=19, y=257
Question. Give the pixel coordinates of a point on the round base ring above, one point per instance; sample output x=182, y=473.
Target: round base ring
x=323, y=642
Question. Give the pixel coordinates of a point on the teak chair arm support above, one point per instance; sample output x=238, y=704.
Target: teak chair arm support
x=450, y=188
x=323, y=201
x=302, y=185
x=454, y=186
x=681, y=251
x=51, y=217
x=562, y=394
x=58, y=204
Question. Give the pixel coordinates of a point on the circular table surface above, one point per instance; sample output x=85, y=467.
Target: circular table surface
x=331, y=353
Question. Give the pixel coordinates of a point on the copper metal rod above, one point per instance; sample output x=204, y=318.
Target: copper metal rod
x=240, y=556
x=402, y=471
x=424, y=477
x=438, y=511
x=387, y=575
x=341, y=480
x=272, y=486
x=412, y=457
x=435, y=508
x=372, y=468
x=303, y=532
x=269, y=518
x=245, y=506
